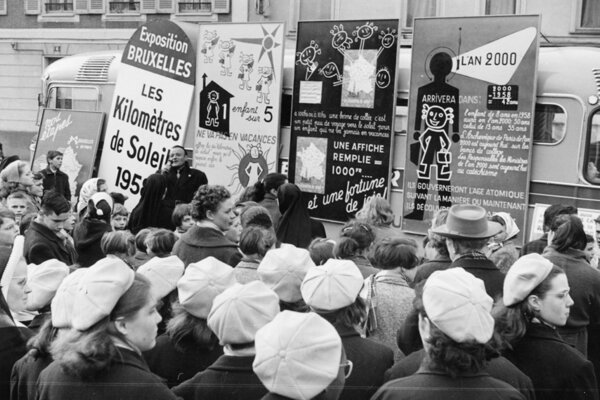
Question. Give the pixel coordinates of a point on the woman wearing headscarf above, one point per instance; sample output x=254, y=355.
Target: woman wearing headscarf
x=501, y=249
x=114, y=319
x=88, y=189
x=152, y=210
x=87, y=233
x=535, y=302
x=189, y=346
x=17, y=180
x=296, y=226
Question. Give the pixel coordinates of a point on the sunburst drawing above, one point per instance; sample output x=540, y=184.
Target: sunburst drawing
x=267, y=43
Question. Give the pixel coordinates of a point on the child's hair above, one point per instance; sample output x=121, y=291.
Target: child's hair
x=160, y=242
x=26, y=222
x=321, y=250
x=17, y=195
x=140, y=239
x=117, y=242
x=256, y=240
x=180, y=212
x=120, y=210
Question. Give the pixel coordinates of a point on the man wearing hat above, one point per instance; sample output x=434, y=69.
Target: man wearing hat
x=54, y=178
x=467, y=231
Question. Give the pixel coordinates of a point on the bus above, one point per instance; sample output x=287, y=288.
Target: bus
x=565, y=160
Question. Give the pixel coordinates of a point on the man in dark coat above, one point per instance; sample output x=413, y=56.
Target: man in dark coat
x=54, y=178
x=182, y=180
x=42, y=241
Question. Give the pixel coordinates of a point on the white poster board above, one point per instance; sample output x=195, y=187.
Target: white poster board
x=239, y=102
x=150, y=106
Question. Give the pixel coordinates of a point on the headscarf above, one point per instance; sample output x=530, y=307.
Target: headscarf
x=147, y=212
x=11, y=173
x=294, y=225
x=88, y=189
x=512, y=229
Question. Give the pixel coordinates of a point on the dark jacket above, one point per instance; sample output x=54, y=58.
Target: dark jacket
x=58, y=181
x=433, y=385
x=557, y=370
x=87, y=235
x=370, y=361
x=13, y=346
x=42, y=244
x=499, y=368
x=201, y=242
x=230, y=378
x=535, y=246
x=176, y=366
x=25, y=374
x=127, y=378
x=271, y=204
x=182, y=190
x=427, y=268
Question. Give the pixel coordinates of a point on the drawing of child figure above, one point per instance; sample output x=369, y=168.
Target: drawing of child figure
x=227, y=49
x=245, y=70
x=263, y=84
x=208, y=45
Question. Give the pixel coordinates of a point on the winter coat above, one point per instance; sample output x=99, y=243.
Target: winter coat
x=201, y=242
x=87, y=235
x=229, y=377
x=13, y=342
x=25, y=374
x=271, y=204
x=499, y=368
x=370, y=361
x=42, y=244
x=556, y=369
x=182, y=189
x=483, y=268
x=427, y=268
x=427, y=384
x=176, y=366
x=128, y=377
x=57, y=181
x=246, y=270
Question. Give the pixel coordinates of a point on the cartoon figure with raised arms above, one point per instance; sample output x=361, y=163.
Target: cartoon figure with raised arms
x=212, y=110
x=263, y=84
x=331, y=70
x=364, y=32
x=435, y=143
x=227, y=49
x=307, y=58
x=210, y=40
x=388, y=38
x=245, y=70
x=340, y=40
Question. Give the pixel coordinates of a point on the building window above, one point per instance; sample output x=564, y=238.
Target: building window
x=58, y=7
x=194, y=7
x=124, y=7
x=500, y=7
x=307, y=10
x=590, y=14
x=419, y=8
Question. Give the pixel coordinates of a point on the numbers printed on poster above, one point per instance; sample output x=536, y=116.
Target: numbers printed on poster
x=501, y=58
x=126, y=181
x=268, y=114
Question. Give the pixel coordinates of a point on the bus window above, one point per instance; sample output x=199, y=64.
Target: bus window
x=73, y=98
x=593, y=150
x=549, y=124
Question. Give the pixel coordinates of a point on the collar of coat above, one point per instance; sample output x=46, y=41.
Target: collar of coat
x=233, y=363
x=130, y=358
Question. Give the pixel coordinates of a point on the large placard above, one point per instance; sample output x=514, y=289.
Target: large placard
x=239, y=102
x=150, y=106
x=76, y=135
x=342, y=119
x=472, y=95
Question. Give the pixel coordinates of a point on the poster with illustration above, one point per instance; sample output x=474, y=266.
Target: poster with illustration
x=471, y=109
x=150, y=108
x=76, y=135
x=239, y=98
x=343, y=113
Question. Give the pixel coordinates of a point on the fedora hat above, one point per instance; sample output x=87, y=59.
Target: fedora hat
x=467, y=221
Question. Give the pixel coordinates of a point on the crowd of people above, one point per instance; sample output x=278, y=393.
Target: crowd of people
x=194, y=294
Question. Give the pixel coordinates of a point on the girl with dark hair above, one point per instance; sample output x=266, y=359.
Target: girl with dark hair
x=189, y=346
x=456, y=326
x=387, y=294
x=536, y=301
x=567, y=243
x=355, y=241
x=87, y=233
x=331, y=290
x=265, y=194
x=152, y=211
x=296, y=226
x=255, y=241
x=114, y=319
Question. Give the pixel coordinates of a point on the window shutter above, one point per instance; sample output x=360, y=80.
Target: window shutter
x=81, y=6
x=32, y=7
x=220, y=6
x=2, y=7
x=166, y=6
x=148, y=6
x=96, y=7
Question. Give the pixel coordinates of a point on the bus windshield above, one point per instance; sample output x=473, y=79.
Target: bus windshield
x=73, y=98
